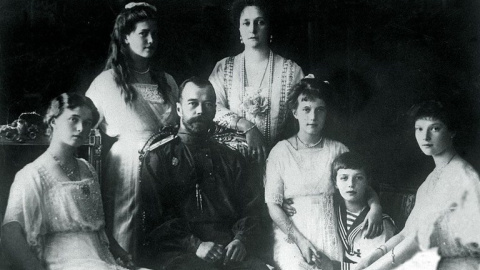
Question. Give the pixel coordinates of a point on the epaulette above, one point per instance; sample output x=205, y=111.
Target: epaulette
x=160, y=138
x=161, y=142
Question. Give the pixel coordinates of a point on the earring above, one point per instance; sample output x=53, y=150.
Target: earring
x=271, y=38
x=241, y=40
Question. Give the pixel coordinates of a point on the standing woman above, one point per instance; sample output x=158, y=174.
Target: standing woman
x=54, y=218
x=135, y=98
x=447, y=206
x=252, y=86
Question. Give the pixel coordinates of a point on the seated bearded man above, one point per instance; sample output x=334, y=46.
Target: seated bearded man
x=197, y=209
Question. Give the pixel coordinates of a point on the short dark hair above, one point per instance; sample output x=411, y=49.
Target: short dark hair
x=239, y=5
x=69, y=101
x=311, y=88
x=349, y=160
x=202, y=83
x=436, y=110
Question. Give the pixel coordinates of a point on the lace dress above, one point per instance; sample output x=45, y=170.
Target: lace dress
x=131, y=124
x=63, y=220
x=265, y=106
x=304, y=176
x=454, y=227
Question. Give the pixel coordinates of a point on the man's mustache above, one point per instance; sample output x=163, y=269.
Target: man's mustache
x=199, y=119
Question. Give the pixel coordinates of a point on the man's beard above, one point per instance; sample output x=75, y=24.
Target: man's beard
x=198, y=126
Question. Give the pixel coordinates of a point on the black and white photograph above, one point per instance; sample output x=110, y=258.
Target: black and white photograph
x=239, y=134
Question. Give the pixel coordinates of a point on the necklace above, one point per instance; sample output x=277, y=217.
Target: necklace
x=308, y=145
x=265, y=125
x=437, y=172
x=72, y=174
x=140, y=72
x=263, y=76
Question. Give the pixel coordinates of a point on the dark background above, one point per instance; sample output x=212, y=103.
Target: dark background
x=381, y=56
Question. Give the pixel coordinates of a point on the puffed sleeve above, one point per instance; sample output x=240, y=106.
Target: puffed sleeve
x=274, y=189
x=25, y=206
x=224, y=116
x=94, y=92
x=455, y=229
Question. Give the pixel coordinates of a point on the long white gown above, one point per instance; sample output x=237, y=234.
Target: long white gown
x=63, y=220
x=304, y=176
x=132, y=125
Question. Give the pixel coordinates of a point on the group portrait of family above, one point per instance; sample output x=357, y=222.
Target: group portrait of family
x=243, y=166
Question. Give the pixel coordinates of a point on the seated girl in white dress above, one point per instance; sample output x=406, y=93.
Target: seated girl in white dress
x=298, y=169
x=447, y=207
x=54, y=217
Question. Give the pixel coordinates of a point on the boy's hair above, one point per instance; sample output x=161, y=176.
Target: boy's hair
x=349, y=160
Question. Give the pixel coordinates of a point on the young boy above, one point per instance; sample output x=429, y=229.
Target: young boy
x=349, y=176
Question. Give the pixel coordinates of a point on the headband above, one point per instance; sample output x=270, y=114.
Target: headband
x=139, y=4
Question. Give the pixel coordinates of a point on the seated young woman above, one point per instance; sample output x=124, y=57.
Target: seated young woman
x=447, y=207
x=54, y=217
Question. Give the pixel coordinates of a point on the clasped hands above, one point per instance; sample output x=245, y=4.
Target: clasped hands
x=211, y=252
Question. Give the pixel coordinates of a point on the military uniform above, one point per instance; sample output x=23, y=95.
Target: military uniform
x=195, y=191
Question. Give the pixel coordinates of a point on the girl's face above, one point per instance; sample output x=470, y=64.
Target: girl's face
x=311, y=115
x=432, y=136
x=253, y=27
x=72, y=126
x=143, y=41
x=352, y=184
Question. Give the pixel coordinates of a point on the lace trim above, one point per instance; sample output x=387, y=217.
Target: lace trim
x=226, y=120
x=274, y=198
x=228, y=78
x=150, y=93
x=285, y=88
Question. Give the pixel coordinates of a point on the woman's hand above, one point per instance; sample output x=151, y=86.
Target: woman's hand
x=373, y=223
x=367, y=261
x=288, y=208
x=257, y=149
x=309, y=252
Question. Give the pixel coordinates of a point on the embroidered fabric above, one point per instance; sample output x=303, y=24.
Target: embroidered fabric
x=149, y=92
x=226, y=78
x=304, y=176
x=63, y=220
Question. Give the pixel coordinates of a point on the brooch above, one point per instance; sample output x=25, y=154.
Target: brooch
x=174, y=161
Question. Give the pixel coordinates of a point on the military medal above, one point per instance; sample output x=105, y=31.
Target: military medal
x=174, y=161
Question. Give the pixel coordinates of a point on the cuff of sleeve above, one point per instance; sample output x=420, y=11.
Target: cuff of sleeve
x=194, y=244
x=240, y=237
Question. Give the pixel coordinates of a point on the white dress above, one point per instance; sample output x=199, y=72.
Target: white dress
x=446, y=215
x=266, y=107
x=131, y=124
x=304, y=176
x=63, y=220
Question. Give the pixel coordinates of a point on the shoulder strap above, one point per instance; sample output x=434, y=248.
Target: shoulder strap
x=165, y=135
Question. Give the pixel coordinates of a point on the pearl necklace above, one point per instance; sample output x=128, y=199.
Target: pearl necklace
x=308, y=145
x=140, y=72
x=270, y=64
x=72, y=174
